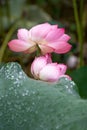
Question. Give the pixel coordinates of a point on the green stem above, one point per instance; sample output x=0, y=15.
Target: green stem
x=1, y=21
x=8, y=11
x=81, y=9
x=7, y=38
x=79, y=28
x=82, y=31
x=38, y=52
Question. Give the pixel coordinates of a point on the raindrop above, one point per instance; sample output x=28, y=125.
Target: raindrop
x=66, y=79
x=2, y=96
x=36, y=112
x=13, y=72
x=41, y=126
x=28, y=109
x=57, y=127
x=6, y=95
x=66, y=86
x=38, y=97
x=15, y=91
x=33, y=92
x=9, y=103
x=10, y=88
x=26, y=92
x=25, y=120
x=13, y=117
x=23, y=94
x=33, y=103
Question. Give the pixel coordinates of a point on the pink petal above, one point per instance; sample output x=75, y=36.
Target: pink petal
x=60, y=47
x=54, y=27
x=45, y=49
x=54, y=35
x=62, y=68
x=31, y=49
x=64, y=37
x=23, y=34
x=49, y=73
x=18, y=45
x=37, y=65
x=48, y=57
x=40, y=31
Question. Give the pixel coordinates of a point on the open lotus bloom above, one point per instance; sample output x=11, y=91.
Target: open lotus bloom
x=42, y=68
x=48, y=38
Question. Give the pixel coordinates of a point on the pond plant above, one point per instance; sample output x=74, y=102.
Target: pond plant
x=50, y=99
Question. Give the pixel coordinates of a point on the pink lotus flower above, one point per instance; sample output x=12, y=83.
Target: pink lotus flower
x=49, y=38
x=42, y=68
